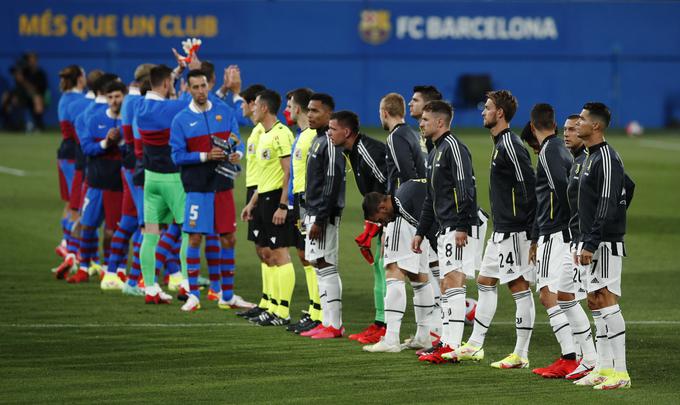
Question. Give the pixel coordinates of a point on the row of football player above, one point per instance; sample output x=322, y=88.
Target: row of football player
x=102, y=176
x=560, y=227
x=349, y=126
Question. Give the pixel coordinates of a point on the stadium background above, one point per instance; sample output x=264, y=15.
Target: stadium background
x=76, y=344
x=624, y=53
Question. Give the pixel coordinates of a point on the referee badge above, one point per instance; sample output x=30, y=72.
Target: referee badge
x=218, y=118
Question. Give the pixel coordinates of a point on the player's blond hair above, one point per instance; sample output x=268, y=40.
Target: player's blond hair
x=394, y=105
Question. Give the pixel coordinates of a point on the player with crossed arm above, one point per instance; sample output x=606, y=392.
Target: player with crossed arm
x=450, y=204
x=506, y=259
x=325, y=200
x=604, y=194
x=550, y=236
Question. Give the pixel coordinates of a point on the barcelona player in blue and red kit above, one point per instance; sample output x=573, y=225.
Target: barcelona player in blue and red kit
x=71, y=83
x=100, y=142
x=210, y=205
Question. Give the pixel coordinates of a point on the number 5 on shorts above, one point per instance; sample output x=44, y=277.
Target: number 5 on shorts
x=193, y=212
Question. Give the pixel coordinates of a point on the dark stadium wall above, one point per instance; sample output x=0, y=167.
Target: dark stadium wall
x=626, y=54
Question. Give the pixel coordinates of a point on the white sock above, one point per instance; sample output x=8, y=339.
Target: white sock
x=333, y=295
x=433, y=278
x=456, y=310
x=524, y=321
x=395, y=306
x=322, y=282
x=604, y=355
x=562, y=330
x=486, y=309
x=616, y=335
x=445, y=336
x=423, y=306
x=580, y=328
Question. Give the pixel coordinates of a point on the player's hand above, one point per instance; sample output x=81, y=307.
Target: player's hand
x=586, y=257
x=112, y=136
x=279, y=216
x=314, y=232
x=234, y=158
x=183, y=86
x=181, y=65
x=216, y=154
x=247, y=213
x=415, y=244
x=532, y=253
x=461, y=238
x=235, y=79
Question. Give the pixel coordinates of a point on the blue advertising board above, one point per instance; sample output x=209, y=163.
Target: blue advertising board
x=626, y=54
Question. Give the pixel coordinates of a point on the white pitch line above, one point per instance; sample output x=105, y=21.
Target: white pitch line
x=13, y=172
x=660, y=144
x=220, y=325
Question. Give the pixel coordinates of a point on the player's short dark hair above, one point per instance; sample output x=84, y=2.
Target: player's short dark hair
x=300, y=97
x=92, y=77
x=197, y=73
x=325, y=99
x=600, y=111
x=504, y=100
x=371, y=203
x=543, y=117
x=145, y=87
x=68, y=77
x=159, y=73
x=209, y=69
x=528, y=136
x=439, y=107
x=428, y=92
x=115, y=86
x=250, y=93
x=271, y=99
x=573, y=117
x=347, y=119
x=103, y=81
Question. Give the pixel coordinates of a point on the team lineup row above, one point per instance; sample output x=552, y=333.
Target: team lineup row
x=158, y=168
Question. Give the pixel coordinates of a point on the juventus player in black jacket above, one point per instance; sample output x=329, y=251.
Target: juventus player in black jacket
x=506, y=258
x=367, y=158
x=550, y=235
x=603, y=197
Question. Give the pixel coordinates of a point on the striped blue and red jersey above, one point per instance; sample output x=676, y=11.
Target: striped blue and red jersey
x=81, y=126
x=154, y=116
x=67, y=148
x=103, y=162
x=191, y=141
x=127, y=113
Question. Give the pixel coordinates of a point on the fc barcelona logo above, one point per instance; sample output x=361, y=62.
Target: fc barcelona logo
x=375, y=26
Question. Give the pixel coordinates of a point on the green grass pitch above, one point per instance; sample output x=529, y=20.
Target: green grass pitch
x=74, y=343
